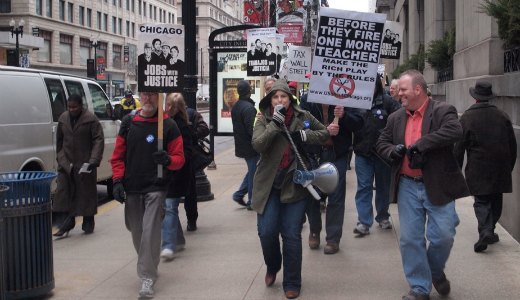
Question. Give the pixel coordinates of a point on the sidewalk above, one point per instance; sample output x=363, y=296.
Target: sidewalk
x=223, y=259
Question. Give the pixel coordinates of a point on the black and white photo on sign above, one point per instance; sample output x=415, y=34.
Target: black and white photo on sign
x=160, y=63
x=346, y=57
x=392, y=40
x=280, y=50
x=261, y=52
x=299, y=63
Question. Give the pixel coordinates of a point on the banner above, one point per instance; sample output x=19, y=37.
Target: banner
x=392, y=40
x=298, y=63
x=346, y=58
x=293, y=33
x=256, y=12
x=262, y=52
x=160, y=65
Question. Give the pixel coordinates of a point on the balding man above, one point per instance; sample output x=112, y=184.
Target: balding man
x=394, y=90
x=426, y=180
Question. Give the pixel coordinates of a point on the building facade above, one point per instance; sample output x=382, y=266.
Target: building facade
x=59, y=35
x=479, y=54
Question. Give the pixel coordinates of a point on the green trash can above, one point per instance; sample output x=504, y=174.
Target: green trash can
x=26, y=235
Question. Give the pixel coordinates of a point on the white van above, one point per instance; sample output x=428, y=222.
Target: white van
x=31, y=102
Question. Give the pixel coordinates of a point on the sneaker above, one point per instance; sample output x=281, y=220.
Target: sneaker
x=385, y=224
x=314, y=240
x=146, y=288
x=167, y=254
x=361, y=230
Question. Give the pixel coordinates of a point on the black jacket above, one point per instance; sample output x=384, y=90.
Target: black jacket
x=243, y=116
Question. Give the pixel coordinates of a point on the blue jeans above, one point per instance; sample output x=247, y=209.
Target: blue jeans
x=336, y=204
x=283, y=219
x=171, y=231
x=421, y=263
x=368, y=167
x=246, y=187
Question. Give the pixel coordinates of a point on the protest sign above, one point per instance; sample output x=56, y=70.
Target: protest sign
x=256, y=12
x=299, y=63
x=262, y=52
x=160, y=66
x=392, y=40
x=346, y=58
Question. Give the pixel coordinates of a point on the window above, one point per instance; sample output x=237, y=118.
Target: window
x=70, y=12
x=197, y=29
x=84, y=51
x=62, y=10
x=100, y=103
x=89, y=17
x=128, y=28
x=81, y=15
x=44, y=53
x=76, y=88
x=114, y=2
x=105, y=22
x=99, y=20
x=133, y=30
x=120, y=25
x=144, y=8
x=127, y=4
x=57, y=97
x=114, y=25
x=5, y=6
x=120, y=3
x=150, y=11
x=116, y=56
x=39, y=7
x=140, y=9
x=196, y=11
x=48, y=8
x=102, y=49
x=65, y=49
x=155, y=13
x=133, y=6
x=160, y=15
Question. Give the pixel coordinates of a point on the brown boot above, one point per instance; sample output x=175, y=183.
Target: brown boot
x=314, y=240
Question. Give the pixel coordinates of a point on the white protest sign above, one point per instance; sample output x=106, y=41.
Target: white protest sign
x=344, y=67
x=299, y=63
x=160, y=66
x=262, y=51
x=392, y=40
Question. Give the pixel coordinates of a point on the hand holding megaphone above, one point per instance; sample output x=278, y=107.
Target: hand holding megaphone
x=325, y=178
x=279, y=115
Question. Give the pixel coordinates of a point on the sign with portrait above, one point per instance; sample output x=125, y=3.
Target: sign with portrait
x=262, y=52
x=160, y=63
x=392, y=40
x=346, y=58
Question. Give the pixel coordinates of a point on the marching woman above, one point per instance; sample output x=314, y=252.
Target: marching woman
x=279, y=202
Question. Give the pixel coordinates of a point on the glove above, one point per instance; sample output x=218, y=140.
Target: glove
x=411, y=151
x=398, y=151
x=279, y=115
x=92, y=167
x=161, y=158
x=299, y=136
x=417, y=159
x=119, y=191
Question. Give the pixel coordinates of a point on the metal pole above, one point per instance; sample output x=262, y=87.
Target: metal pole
x=17, y=51
x=95, y=59
x=190, y=52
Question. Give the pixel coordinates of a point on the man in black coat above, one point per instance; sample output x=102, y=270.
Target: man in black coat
x=490, y=143
x=243, y=117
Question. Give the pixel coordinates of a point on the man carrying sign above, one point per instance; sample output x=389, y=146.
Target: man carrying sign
x=134, y=167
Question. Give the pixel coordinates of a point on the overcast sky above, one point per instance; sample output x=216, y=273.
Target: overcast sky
x=354, y=5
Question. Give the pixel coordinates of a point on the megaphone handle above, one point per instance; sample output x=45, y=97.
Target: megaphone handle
x=313, y=192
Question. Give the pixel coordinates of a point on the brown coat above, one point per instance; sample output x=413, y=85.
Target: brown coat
x=440, y=130
x=490, y=143
x=77, y=193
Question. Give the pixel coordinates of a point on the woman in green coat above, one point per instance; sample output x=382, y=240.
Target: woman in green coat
x=279, y=202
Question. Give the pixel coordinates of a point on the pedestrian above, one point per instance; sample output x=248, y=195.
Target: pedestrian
x=394, y=90
x=79, y=150
x=268, y=84
x=279, y=202
x=134, y=168
x=370, y=166
x=426, y=180
x=243, y=118
x=490, y=143
x=129, y=103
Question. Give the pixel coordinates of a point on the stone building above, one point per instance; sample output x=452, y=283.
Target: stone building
x=66, y=29
x=479, y=55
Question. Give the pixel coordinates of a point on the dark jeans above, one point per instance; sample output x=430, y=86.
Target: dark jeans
x=283, y=219
x=190, y=200
x=336, y=204
x=246, y=187
x=488, y=209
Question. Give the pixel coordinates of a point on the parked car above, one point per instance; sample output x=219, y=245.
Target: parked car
x=32, y=101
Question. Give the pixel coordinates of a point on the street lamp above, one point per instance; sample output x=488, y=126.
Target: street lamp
x=17, y=31
x=94, y=44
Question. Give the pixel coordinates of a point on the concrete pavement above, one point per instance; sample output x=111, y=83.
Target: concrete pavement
x=223, y=259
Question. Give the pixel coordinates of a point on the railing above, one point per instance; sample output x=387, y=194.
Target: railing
x=445, y=74
x=512, y=60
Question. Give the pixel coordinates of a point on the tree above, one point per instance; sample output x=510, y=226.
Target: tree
x=507, y=15
x=440, y=52
x=416, y=61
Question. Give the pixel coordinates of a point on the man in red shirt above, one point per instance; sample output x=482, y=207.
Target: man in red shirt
x=426, y=180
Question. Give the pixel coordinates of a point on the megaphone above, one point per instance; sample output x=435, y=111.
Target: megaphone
x=325, y=178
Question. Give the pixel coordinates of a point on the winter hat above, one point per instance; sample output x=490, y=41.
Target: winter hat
x=279, y=85
x=482, y=91
x=243, y=88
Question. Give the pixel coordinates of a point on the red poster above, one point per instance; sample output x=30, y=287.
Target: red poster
x=293, y=32
x=100, y=66
x=256, y=12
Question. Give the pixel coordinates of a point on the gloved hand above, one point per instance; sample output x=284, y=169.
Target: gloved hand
x=92, y=167
x=119, y=191
x=417, y=159
x=279, y=115
x=398, y=151
x=411, y=151
x=161, y=157
x=299, y=136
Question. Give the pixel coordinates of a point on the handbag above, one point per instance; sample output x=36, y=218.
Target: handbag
x=202, y=155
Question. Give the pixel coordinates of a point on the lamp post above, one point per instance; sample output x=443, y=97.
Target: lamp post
x=17, y=31
x=94, y=44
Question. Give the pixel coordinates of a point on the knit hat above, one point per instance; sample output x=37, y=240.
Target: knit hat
x=243, y=88
x=279, y=85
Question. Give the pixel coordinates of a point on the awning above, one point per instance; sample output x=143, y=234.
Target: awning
x=27, y=41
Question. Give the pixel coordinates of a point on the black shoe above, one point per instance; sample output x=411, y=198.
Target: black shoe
x=192, y=226
x=240, y=202
x=88, y=224
x=494, y=239
x=66, y=226
x=483, y=242
x=415, y=296
x=442, y=285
